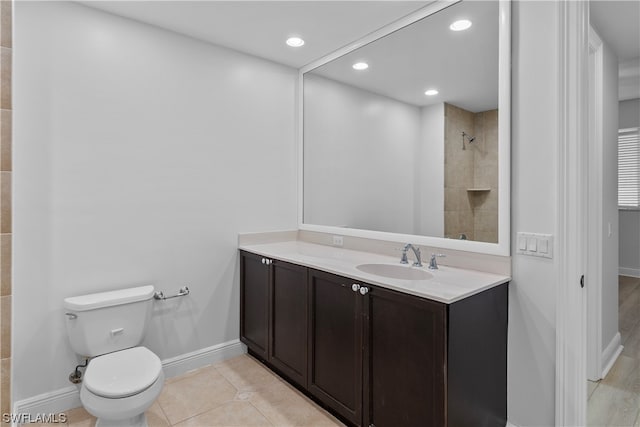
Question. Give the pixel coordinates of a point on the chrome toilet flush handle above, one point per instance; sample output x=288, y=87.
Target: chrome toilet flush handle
x=72, y=316
x=183, y=291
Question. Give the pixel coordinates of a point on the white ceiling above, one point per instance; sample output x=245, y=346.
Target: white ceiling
x=618, y=24
x=260, y=28
x=462, y=66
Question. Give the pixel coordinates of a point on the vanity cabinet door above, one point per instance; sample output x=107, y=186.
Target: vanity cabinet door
x=335, y=344
x=254, y=303
x=405, y=355
x=288, y=349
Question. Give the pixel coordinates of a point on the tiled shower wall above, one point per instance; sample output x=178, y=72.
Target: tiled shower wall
x=5, y=205
x=485, y=175
x=472, y=213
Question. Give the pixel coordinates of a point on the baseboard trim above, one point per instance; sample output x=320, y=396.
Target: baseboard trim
x=206, y=356
x=633, y=272
x=610, y=354
x=69, y=397
x=49, y=403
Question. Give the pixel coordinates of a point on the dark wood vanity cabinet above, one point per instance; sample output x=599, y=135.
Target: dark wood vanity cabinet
x=254, y=303
x=405, y=370
x=336, y=327
x=376, y=357
x=434, y=364
x=288, y=320
x=273, y=313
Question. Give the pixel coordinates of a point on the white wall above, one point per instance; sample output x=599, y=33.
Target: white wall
x=534, y=184
x=629, y=246
x=139, y=155
x=609, y=197
x=359, y=157
x=629, y=113
x=429, y=169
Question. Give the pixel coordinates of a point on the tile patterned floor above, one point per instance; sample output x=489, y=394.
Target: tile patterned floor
x=615, y=400
x=236, y=392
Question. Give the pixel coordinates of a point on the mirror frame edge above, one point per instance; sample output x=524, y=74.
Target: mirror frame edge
x=503, y=247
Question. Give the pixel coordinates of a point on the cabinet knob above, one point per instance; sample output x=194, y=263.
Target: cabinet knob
x=355, y=287
x=364, y=290
x=264, y=261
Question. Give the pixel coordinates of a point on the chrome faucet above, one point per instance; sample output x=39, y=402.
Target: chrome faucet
x=416, y=252
x=433, y=264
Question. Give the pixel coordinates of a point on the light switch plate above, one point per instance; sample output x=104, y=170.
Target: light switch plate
x=535, y=244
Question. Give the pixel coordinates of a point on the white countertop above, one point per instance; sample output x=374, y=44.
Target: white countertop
x=447, y=285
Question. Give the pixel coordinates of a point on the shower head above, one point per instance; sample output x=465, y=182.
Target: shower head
x=469, y=137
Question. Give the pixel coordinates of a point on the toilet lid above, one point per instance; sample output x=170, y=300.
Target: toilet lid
x=122, y=373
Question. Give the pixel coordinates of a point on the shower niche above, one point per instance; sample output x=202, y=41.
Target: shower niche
x=470, y=174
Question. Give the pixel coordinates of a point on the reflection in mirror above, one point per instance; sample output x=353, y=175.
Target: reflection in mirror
x=383, y=153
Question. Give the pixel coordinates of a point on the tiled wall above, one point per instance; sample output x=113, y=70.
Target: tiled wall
x=5, y=205
x=458, y=173
x=485, y=175
x=472, y=213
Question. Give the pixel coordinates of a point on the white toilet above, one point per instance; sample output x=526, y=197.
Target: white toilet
x=122, y=380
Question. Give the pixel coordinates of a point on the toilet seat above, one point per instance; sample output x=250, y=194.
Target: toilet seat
x=122, y=373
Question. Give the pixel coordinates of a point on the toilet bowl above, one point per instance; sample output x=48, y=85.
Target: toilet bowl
x=119, y=387
x=122, y=378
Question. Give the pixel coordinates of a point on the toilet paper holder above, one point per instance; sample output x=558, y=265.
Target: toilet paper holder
x=183, y=291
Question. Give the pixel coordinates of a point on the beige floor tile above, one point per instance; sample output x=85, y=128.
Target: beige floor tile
x=156, y=417
x=632, y=343
x=591, y=387
x=624, y=374
x=628, y=280
x=616, y=400
x=194, y=394
x=628, y=314
x=191, y=373
x=611, y=406
x=247, y=374
x=229, y=414
x=41, y=425
x=79, y=417
x=284, y=406
x=626, y=288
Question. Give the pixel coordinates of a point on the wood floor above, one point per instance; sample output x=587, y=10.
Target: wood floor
x=615, y=400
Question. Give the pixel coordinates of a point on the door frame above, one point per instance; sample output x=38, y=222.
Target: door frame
x=573, y=126
x=594, y=212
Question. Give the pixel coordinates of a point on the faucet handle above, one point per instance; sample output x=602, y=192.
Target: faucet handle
x=418, y=262
x=403, y=258
x=433, y=264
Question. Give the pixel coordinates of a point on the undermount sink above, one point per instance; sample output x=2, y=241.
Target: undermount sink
x=395, y=271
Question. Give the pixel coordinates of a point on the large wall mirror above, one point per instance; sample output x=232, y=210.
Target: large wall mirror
x=405, y=134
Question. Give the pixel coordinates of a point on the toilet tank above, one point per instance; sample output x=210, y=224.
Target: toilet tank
x=108, y=321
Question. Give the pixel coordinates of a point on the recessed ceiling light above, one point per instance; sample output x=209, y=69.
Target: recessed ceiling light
x=360, y=66
x=295, y=41
x=460, y=25
x=431, y=92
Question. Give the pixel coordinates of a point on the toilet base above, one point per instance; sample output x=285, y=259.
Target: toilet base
x=137, y=421
x=122, y=412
